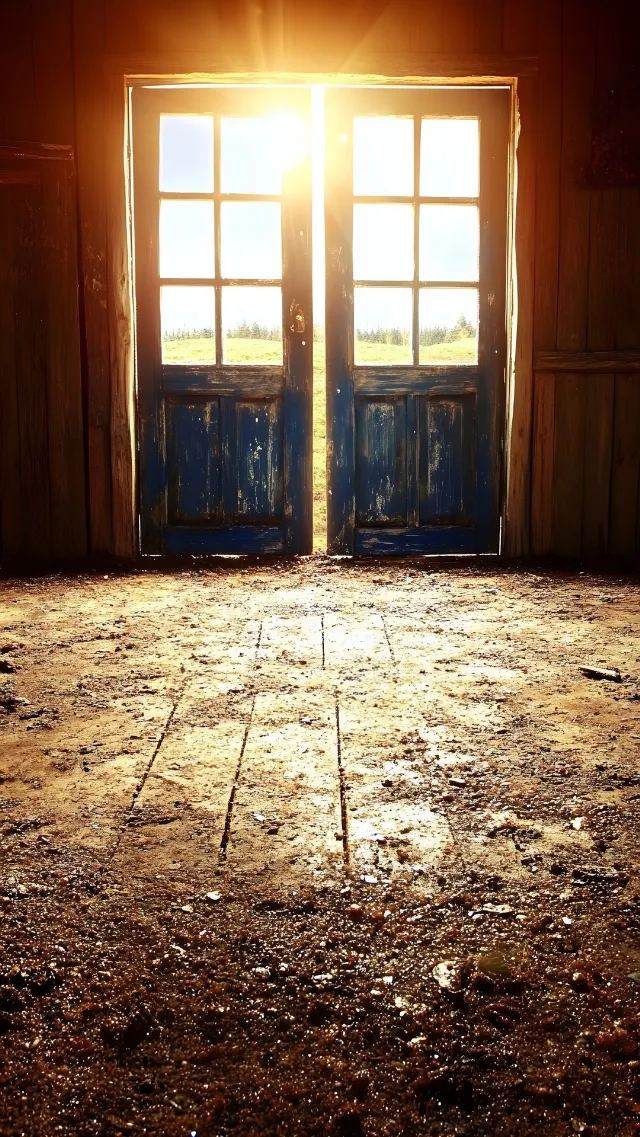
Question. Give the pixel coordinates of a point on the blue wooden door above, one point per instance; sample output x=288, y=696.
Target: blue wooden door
x=222, y=223
x=416, y=226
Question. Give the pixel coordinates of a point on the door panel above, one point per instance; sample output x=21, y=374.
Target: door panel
x=416, y=226
x=259, y=460
x=193, y=461
x=381, y=475
x=446, y=445
x=222, y=218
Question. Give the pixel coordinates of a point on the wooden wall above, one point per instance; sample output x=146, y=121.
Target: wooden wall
x=573, y=437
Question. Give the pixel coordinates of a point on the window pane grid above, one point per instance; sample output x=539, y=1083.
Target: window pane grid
x=169, y=283
x=452, y=181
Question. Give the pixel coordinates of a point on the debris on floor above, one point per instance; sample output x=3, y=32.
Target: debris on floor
x=292, y=850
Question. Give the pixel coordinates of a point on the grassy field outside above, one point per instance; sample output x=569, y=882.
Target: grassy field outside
x=391, y=354
x=202, y=350
x=256, y=351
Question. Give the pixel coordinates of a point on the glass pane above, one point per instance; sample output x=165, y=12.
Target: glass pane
x=383, y=242
x=256, y=151
x=252, y=325
x=449, y=157
x=449, y=242
x=382, y=318
x=251, y=240
x=383, y=156
x=249, y=160
x=186, y=238
x=187, y=320
x=186, y=153
x=449, y=325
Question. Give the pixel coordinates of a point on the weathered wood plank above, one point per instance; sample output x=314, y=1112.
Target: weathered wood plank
x=628, y=271
x=16, y=72
x=45, y=151
x=436, y=540
x=601, y=320
x=371, y=66
x=578, y=72
x=586, y=362
x=459, y=26
x=30, y=315
x=10, y=489
x=53, y=70
x=428, y=25
x=568, y=466
x=88, y=35
x=623, y=524
x=547, y=232
x=488, y=32
x=401, y=381
x=261, y=384
x=597, y=392
x=381, y=462
x=542, y=464
x=241, y=540
x=62, y=347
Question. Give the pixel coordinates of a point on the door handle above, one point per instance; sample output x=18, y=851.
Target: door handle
x=298, y=322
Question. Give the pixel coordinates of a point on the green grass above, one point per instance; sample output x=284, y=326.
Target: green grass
x=236, y=351
x=458, y=351
x=270, y=351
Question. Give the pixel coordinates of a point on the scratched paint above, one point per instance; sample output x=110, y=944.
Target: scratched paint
x=381, y=491
x=193, y=458
x=259, y=459
x=447, y=460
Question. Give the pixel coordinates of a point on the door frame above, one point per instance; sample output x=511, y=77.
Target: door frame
x=106, y=242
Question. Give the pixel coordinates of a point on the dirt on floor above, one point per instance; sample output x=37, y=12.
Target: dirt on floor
x=319, y=847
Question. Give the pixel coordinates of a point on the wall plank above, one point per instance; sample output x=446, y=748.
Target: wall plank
x=597, y=391
x=17, y=94
x=88, y=33
x=578, y=73
x=28, y=300
x=62, y=350
x=542, y=464
x=546, y=265
x=53, y=71
x=623, y=523
x=578, y=76
x=488, y=25
x=10, y=490
x=568, y=465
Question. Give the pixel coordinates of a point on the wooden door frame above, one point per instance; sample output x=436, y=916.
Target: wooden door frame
x=121, y=73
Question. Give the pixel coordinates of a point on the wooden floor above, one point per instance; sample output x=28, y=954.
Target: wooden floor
x=303, y=721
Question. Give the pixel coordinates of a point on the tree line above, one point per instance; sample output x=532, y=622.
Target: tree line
x=436, y=333
x=244, y=331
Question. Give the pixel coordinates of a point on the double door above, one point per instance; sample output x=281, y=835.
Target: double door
x=415, y=210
